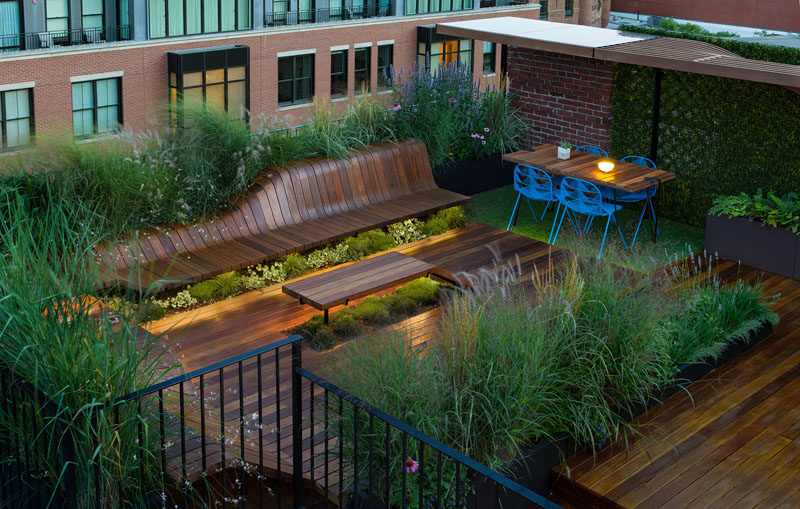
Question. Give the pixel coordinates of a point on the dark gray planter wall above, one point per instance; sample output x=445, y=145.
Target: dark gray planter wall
x=751, y=243
x=473, y=176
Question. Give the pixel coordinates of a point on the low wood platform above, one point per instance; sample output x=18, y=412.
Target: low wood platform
x=343, y=284
x=732, y=440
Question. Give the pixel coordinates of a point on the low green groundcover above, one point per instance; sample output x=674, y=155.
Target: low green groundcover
x=373, y=311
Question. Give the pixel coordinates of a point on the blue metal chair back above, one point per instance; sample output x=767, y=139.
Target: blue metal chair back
x=533, y=183
x=592, y=149
x=640, y=160
x=581, y=197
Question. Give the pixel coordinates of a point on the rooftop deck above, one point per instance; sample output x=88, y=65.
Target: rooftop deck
x=731, y=440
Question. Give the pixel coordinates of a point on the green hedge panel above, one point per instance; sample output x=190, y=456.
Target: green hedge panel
x=720, y=136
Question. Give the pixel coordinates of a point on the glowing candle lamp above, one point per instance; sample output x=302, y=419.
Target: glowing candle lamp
x=605, y=166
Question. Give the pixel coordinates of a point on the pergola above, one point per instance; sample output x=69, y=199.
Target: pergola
x=627, y=48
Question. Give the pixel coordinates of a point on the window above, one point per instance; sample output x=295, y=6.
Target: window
x=362, y=74
x=543, y=5
x=16, y=118
x=279, y=10
x=451, y=53
x=425, y=6
x=10, y=22
x=57, y=15
x=339, y=73
x=489, y=57
x=295, y=79
x=385, y=61
x=216, y=76
x=92, y=17
x=567, y=8
x=305, y=11
x=96, y=107
x=171, y=18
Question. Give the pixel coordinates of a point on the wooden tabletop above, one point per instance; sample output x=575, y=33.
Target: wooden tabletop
x=350, y=282
x=627, y=177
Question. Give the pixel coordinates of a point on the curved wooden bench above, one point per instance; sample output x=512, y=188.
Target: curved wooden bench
x=299, y=206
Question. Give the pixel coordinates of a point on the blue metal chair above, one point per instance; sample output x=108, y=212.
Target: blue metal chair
x=592, y=149
x=533, y=184
x=646, y=195
x=581, y=197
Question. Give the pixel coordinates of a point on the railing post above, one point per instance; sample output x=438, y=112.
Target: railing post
x=297, y=426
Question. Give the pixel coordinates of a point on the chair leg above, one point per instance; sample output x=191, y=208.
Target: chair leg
x=588, y=225
x=639, y=224
x=566, y=210
x=514, y=212
x=550, y=239
x=614, y=217
x=653, y=216
x=530, y=206
x=547, y=206
x=603, y=244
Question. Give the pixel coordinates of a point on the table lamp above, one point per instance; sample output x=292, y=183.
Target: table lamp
x=605, y=165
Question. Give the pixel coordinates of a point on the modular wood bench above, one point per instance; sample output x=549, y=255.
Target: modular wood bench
x=343, y=284
x=295, y=207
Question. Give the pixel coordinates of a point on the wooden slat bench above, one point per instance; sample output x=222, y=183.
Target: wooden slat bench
x=343, y=284
x=296, y=207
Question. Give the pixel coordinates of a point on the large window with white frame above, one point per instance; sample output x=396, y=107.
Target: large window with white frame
x=56, y=14
x=96, y=107
x=363, y=74
x=385, y=62
x=339, y=73
x=16, y=118
x=171, y=18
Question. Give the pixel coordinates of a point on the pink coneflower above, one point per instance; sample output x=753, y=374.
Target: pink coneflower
x=486, y=129
x=411, y=466
x=453, y=100
x=396, y=107
x=483, y=142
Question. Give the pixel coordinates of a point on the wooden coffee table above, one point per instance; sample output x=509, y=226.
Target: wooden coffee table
x=343, y=284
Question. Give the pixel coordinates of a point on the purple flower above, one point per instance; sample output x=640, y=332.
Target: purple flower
x=396, y=107
x=411, y=466
x=486, y=129
x=480, y=136
x=453, y=100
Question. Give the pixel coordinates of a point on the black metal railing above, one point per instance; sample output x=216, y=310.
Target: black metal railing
x=327, y=15
x=36, y=40
x=255, y=429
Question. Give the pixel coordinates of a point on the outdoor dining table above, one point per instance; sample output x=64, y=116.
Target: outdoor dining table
x=624, y=178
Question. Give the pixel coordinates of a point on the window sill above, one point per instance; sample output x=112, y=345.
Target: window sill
x=338, y=98
x=295, y=106
x=490, y=75
x=109, y=135
x=384, y=92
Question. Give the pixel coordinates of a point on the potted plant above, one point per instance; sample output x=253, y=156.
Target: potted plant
x=564, y=150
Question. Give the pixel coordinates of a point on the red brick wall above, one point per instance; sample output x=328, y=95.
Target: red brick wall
x=144, y=83
x=562, y=97
x=775, y=14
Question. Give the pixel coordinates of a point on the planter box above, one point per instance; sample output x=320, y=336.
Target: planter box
x=473, y=176
x=771, y=249
x=533, y=471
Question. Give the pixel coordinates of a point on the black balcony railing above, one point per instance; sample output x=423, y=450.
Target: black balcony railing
x=36, y=40
x=256, y=429
x=326, y=15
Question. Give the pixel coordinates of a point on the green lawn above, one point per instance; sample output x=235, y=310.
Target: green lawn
x=494, y=207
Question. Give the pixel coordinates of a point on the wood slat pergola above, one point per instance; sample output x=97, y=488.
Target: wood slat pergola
x=617, y=46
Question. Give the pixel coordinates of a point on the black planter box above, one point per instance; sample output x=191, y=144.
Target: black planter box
x=762, y=247
x=473, y=176
x=533, y=471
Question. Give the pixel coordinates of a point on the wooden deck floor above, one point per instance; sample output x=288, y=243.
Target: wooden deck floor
x=236, y=326
x=732, y=441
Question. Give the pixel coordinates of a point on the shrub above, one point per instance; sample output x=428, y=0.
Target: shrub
x=203, y=291
x=227, y=285
x=323, y=339
x=182, y=300
x=435, y=226
x=344, y=324
x=422, y=291
x=295, y=265
x=772, y=210
x=372, y=311
x=367, y=243
x=407, y=231
x=455, y=217
x=399, y=305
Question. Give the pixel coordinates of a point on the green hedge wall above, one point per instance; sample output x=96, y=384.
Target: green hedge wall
x=720, y=136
